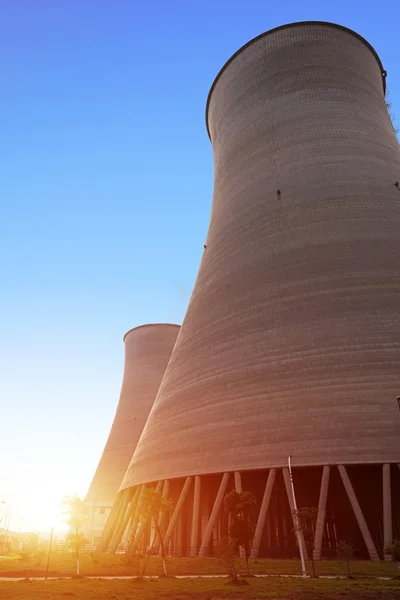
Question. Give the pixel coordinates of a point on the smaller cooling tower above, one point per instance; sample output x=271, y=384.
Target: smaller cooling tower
x=147, y=352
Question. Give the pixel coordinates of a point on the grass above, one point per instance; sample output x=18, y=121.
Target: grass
x=63, y=563
x=203, y=589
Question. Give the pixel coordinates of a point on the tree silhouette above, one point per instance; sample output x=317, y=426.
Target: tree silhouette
x=305, y=519
x=241, y=508
x=76, y=517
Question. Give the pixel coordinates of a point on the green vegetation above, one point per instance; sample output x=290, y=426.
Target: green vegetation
x=63, y=563
x=203, y=589
x=30, y=545
x=345, y=552
x=393, y=550
x=241, y=510
x=227, y=555
x=76, y=516
x=306, y=521
x=154, y=508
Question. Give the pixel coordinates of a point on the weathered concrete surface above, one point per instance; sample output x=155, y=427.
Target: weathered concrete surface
x=147, y=352
x=291, y=341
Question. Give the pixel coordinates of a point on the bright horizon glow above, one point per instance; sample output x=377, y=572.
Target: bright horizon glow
x=106, y=178
x=39, y=513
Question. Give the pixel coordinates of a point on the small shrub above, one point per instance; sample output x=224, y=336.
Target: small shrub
x=345, y=551
x=393, y=550
x=226, y=554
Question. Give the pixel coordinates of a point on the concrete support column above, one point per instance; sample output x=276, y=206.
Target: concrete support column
x=144, y=520
x=122, y=521
x=214, y=513
x=238, y=482
x=196, y=516
x=358, y=513
x=387, y=509
x=177, y=510
x=263, y=513
x=286, y=478
x=162, y=519
x=238, y=490
x=129, y=518
x=109, y=526
x=173, y=542
x=179, y=536
x=320, y=524
x=136, y=516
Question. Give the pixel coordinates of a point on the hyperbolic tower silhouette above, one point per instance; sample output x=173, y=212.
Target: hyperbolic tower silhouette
x=147, y=352
x=291, y=341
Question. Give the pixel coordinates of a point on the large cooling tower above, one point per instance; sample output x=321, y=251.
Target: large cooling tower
x=291, y=341
x=147, y=352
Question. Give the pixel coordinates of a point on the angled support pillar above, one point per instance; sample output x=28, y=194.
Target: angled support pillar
x=387, y=509
x=177, y=511
x=129, y=517
x=286, y=478
x=195, y=517
x=179, y=536
x=136, y=516
x=320, y=524
x=143, y=521
x=109, y=526
x=263, y=513
x=117, y=532
x=123, y=522
x=162, y=517
x=214, y=514
x=165, y=492
x=358, y=513
x=238, y=490
x=238, y=482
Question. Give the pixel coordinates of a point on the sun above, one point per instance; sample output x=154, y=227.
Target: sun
x=39, y=512
x=36, y=498
x=43, y=516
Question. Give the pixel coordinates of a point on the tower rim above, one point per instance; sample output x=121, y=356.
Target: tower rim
x=279, y=28
x=149, y=325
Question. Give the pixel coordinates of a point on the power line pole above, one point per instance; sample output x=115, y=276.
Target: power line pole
x=296, y=518
x=7, y=525
x=48, y=556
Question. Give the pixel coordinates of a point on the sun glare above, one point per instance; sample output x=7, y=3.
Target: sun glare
x=38, y=513
x=42, y=516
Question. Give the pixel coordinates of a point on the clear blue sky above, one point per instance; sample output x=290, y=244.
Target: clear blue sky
x=105, y=187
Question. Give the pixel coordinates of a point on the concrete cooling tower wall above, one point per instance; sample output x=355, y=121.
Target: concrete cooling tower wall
x=291, y=341
x=147, y=352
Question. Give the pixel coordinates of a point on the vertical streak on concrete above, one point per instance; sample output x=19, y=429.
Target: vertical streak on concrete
x=177, y=510
x=263, y=513
x=214, y=513
x=387, y=509
x=320, y=524
x=196, y=516
x=286, y=478
x=358, y=513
